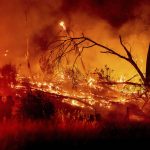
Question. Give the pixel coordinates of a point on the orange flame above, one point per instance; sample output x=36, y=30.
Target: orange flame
x=62, y=24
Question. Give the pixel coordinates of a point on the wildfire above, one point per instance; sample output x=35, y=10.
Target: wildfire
x=90, y=96
x=74, y=103
x=89, y=93
x=62, y=24
x=122, y=79
x=121, y=100
x=6, y=53
x=91, y=82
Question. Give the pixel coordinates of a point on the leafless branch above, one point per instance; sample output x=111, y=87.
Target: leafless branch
x=132, y=78
x=68, y=44
x=121, y=83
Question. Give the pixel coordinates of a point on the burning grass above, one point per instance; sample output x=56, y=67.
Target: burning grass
x=48, y=112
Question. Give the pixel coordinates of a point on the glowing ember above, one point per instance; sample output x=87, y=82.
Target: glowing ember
x=6, y=53
x=76, y=103
x=62, y=24
x=121, y=100
x=91, y=82
x=122, y=79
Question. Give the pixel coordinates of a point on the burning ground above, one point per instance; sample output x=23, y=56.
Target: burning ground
x=89, y=114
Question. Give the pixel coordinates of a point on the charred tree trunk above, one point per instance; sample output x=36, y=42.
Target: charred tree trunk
x=148, y=68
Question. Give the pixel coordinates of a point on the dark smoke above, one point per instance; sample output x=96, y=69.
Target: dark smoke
x=115, y=12
x=95, y=17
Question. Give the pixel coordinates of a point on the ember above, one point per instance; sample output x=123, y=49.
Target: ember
x=62, y=24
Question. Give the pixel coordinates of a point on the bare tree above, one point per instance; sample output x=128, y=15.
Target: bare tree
x=67, y=44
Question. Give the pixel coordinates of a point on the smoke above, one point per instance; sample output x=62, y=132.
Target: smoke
x=114, y=12
x=101, y=20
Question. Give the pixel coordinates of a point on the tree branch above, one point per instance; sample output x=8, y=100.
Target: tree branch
x=81, y=43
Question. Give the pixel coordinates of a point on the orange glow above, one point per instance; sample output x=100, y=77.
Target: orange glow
x=62, y=24
x=88, y=90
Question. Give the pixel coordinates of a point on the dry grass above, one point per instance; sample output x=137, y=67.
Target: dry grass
x=29, y=134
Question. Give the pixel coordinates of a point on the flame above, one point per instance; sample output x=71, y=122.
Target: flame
x=88, y=95
x=74, y=103
x=121, y=99
x=122, y=79
x=6, y=53
x=62, y=24
x=91, y=82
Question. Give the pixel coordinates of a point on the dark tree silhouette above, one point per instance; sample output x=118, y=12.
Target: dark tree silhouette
x=148, y=67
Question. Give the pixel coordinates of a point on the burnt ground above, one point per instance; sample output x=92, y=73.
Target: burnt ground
x=48, y=135
x=111, y=136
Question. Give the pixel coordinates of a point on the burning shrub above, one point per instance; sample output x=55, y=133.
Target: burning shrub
x=104, y=73
x=35, y=106
x=48, y=109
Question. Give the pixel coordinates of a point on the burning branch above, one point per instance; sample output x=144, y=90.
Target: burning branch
x=79, y=44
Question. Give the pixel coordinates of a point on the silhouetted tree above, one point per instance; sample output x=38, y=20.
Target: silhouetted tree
x=69, y=44
x=148, y=67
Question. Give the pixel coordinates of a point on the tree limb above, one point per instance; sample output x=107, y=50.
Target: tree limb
x=81, y=43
